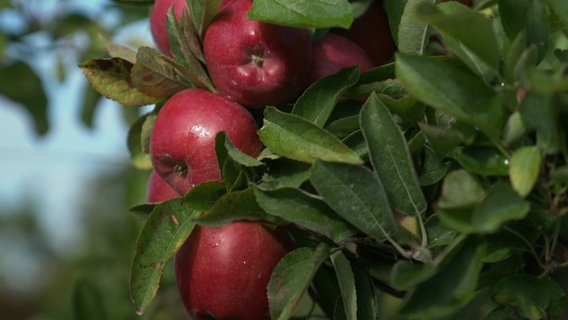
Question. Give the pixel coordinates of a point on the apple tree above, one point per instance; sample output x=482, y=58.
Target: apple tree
x=430, y=186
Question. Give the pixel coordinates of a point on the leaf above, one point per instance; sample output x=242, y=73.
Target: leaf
x=87, y=301
x=285, y=173
x=528, y=294
x=391, y=159
x=21, y=84
x=454, y=22
x=406, y=274
x=237, y=155
x=163, y=233
x=502, y=204
x=487, y=161
x=454, y=284
x=460, y=190
x=138, y=140
x=291, y=277
x=111, y=78
x=307, y=14
x=318, y=101
x=448, y=88
x=367, y=306
x=153, y=75
x=524, y=169
x=412, y=34
x=346, y=282
x=540, y=112
x=304, y=210
x=235, y=205
x=433, y=169
x=357, y=195
x=204, y=196
x=116, y=50
x=89, y=104
x=296, y=138
x=561, y=9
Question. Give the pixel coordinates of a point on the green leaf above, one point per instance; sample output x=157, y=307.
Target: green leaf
x=367, y=306
x=561, y=9
x=307, y=14
x=391, y=159
x=442, y=140
x=357, y=195
x=502, y=204
x=291, y=277
x=454, y=284
x=237, y=155
x=21, y=84
x=154, y=75
x=540, y=112
x=524, y=169
x=413, y=34
x=285, y=173
x=116, y=50
x=298, y=139
x=318, y=101
x=346, y=282
x=163, y=233
x=235, y=205
x=460, y=190
x=90, y=102
x=527, y=294
x=433, y=169
x=87, y=301
x=482, y=160
x=138, y=141
x=406, y=274
x=454, y=21
x=204, y=196
x=451, y=89
x=111, y=78
x=304, y=210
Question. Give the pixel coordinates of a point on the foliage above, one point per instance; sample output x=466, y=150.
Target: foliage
x=445, y=193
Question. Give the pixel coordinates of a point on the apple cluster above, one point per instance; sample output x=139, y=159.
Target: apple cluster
x=222, y=272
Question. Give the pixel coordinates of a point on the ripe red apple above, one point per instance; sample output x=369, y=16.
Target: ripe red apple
x=223, y=273
x=182, y=143
x=158, y=190
x=255, y=63
x=334, y=52
x=158, y=21
x=371, y=31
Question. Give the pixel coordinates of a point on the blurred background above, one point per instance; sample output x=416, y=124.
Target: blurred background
x=66, y=182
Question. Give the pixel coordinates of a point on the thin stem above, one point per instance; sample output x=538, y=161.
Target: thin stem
x=531, y=248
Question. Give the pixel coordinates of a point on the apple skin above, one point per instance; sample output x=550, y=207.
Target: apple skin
x=371, y=31
x=158, y=19
x=158, y=190
x=223, y=272
x=334, y=52
x=256, y=63
x=182, y=142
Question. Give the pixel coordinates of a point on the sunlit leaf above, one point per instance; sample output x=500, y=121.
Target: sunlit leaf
x=308, y=14
x=524, y=169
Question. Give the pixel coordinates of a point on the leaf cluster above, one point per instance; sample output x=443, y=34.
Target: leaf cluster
x=449, y=176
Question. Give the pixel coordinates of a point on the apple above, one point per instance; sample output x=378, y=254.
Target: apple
x=182, y=142
x=158, y=21
x=255, y=63
x=158, y=190
x=371, y=31
x=334, y=52
x=223, y=273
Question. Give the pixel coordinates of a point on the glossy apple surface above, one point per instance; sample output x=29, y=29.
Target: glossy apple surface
x=182, y=143
x=255, y=63
x=371, y=31
x=223, y=273
x=158, y=21
x=334, y=52
x=158, y=190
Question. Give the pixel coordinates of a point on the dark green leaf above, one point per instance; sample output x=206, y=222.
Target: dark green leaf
x=391, y=159
x=298, y=139
x=111, y=78
x=485, y=161
x=21, y=84
x=163, y=233
x=524, y=169
x=540, y=112
x=442, y=140
x=138, y=140
x=367, y=306
x=285, y=173
x=91, y=99
x=291, y=277
x=87, y=301
x=357, y=195
x=448, y=88
x=307, y=14
x=204, y=196
x=405, y=274
x=454, y=284
x=304, y=210
x=527, y=294
x=460, y=190
x=433, y=169
x=561, y=9
x=501, y=204
x=318, y=101
x=346, y=282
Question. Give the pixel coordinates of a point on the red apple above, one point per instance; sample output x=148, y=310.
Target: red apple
x=182, y=143
x=371, y=31
x=158, y=190
x=223, y=273
x=158, y=21
x=255, y=63
x=334, y=52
